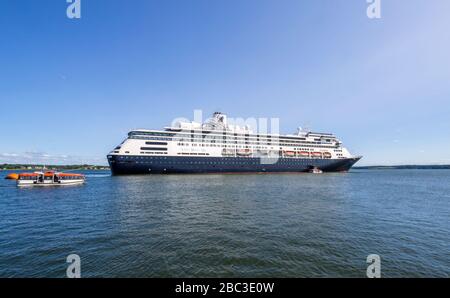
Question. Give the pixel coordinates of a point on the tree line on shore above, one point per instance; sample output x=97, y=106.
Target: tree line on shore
x=51, y=167
x=406, y=167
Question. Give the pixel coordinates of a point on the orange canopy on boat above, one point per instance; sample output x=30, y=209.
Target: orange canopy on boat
x=28, y=175
x=72, y=175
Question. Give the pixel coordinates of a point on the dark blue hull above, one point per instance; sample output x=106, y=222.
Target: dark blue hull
x=124, y=165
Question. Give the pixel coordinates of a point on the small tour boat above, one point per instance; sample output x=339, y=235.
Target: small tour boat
x=49, y=178
x=316, y=170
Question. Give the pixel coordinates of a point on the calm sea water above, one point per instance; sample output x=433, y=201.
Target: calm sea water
x=281, y=225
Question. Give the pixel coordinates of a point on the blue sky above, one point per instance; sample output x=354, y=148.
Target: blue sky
x=71, y=89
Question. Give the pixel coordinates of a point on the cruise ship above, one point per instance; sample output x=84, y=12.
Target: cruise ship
x=218, y=147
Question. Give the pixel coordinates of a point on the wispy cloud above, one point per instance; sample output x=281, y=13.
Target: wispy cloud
x=33, y=157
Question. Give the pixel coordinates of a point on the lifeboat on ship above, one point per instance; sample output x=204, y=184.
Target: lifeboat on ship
x=49, y=178
x=316, y=154
x=227, y=152
x=289, y=153
x=262, y=152
x=326, y=155
x=303, y=154
x=244, y=152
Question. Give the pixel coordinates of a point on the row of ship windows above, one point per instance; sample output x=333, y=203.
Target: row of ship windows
x=261, y=148
x=327, y=138
x=153, y=148
x=156, y=143
x=249, y=142
x=255, y=147
x=235, y=160
x=230, y=140
x=219, y=162
x=245, y=157
x=153, y=152
x=33, y=178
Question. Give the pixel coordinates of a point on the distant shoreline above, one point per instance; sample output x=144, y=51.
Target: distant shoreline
x=405, y=167
x=33, y=167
